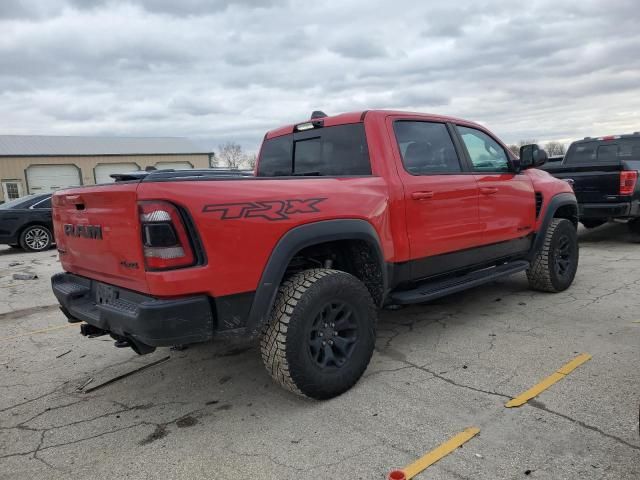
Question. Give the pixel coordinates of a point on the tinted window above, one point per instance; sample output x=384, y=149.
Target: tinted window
x=604, y=151
x=43, y=203
x=23, y=202
x=333, y=151
x=485, y=153
x=275, y=157
x=426, y=148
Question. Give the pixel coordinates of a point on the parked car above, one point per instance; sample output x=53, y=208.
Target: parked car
x=604, y=174
x=345, y=214
x=26, y=223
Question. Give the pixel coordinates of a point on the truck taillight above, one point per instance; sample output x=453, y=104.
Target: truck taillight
x=628, y=179
x=164, y=236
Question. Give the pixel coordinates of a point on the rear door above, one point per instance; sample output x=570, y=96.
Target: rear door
x=97, y=231
x=507, y=204
x=441, y=199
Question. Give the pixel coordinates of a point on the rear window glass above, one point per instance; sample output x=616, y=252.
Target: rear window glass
x=331, y=151
x=610, y=151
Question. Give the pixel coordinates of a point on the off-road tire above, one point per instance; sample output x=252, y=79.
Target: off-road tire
x=592, y=223
x=543, y=273
x=286, y=339
x=36, y=238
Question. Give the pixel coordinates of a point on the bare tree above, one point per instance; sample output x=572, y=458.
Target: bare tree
x=251, y=159
x=555, y=148
x=515, y=147
x=231, y=155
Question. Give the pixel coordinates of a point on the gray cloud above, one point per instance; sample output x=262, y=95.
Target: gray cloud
x=221, y=70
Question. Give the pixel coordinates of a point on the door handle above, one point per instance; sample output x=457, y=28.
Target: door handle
x=421, y=195
x=488, y=190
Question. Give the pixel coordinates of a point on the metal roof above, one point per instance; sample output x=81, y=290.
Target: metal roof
x=37, y=145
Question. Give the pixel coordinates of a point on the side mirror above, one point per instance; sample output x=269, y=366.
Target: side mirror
x=532, y=156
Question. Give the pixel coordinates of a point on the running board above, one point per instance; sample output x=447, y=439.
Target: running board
x=436, y=289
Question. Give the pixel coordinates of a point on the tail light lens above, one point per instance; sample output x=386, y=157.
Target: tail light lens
x=628, y=179
x=164, y=236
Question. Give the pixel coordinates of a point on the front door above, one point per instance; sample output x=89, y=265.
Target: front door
x=507, y=205
x=441, y=199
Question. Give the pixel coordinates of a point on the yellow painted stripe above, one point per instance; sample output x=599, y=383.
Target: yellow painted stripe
x=44, y=330
x=547, y=382
x=442, y=451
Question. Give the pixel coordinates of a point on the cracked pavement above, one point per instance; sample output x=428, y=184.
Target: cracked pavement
x=211, y=411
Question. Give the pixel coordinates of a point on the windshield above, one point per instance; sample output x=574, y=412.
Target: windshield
x=604, y=151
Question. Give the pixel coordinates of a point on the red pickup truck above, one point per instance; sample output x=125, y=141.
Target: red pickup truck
x=345, y=214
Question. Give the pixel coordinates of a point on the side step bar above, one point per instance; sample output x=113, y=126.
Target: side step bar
x=435, y=289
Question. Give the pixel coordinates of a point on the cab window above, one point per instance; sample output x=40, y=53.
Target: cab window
x=485, y=153
x=426, y=147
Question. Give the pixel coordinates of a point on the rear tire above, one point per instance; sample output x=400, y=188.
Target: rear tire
x=554, y=266
x=592, y=223
x=36, y=238
x=321, y=333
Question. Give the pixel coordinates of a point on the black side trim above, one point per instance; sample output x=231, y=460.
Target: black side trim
x=232, y=311
x=462, y=260
x=292, y=242
x=559, y=200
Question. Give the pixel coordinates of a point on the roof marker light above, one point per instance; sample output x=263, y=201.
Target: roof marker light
x=304, y=126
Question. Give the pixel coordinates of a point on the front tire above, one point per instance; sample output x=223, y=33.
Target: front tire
x=554, y=266
x=321, y=333
x=36, y=238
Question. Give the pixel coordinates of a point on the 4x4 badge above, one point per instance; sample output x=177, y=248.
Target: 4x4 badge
x=270, y=210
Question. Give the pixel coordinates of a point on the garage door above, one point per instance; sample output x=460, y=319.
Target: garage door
x=174, y=165
x=47, y=178
x=104, y=170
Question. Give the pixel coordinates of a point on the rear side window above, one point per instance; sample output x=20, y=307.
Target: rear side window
x=426, y=147
x=331, y=151
x=604, y=151
x=43, y=203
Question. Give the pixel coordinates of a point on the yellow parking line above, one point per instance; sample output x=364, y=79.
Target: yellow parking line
x=44, y=330
x=434, y=455
x=547, y=382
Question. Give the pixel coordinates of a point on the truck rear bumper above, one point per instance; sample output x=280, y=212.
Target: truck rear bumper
x=134, y=316
x=609, y=210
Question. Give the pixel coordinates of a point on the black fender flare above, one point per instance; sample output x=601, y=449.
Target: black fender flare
x=557, y=201
x=292, y=242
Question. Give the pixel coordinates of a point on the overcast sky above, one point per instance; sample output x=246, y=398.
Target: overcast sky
x=217, y=71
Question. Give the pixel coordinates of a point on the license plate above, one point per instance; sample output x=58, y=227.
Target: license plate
x=106, y=295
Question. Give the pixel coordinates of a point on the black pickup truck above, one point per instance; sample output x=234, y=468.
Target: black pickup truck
x=604, y=174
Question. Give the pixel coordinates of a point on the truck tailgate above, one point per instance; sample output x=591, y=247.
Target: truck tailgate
x=591, y=183
x=97, y=231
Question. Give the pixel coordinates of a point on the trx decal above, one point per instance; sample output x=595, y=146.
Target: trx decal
x=270, y=210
